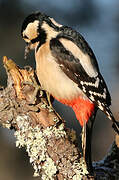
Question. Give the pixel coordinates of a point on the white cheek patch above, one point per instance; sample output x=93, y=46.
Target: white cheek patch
x=31, y=30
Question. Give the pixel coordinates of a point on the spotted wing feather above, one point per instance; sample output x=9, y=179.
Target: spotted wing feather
x=94, y=87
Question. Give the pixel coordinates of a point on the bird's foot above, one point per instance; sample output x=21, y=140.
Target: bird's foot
x=40, y=90
x=51, y=106
x=36, y=86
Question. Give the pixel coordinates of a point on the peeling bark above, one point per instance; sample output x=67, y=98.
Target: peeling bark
x=52, y=149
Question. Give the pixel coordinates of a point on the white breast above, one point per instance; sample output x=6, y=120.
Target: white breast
x=52, y=78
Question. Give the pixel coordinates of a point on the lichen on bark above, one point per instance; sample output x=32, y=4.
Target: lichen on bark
x=51, y=147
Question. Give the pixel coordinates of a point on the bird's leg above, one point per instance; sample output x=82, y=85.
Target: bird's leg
x=50, y=104
x=37, y=88
x=48, y=99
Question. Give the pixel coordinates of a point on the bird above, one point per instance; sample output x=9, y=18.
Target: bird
x=68, y=70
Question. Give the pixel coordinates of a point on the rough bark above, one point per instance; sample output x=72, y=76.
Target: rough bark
x=52, y=149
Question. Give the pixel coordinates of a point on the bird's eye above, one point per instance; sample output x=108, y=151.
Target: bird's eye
x=25, y=37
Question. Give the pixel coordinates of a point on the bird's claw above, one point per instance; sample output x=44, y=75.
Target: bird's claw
x=36, y=86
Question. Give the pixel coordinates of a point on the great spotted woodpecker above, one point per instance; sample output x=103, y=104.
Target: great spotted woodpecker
x=67, y=69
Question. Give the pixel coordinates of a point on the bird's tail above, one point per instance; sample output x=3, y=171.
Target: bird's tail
x=115, y=124
x=86, y=141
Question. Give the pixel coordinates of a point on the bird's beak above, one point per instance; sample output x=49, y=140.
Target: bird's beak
x=27, y=50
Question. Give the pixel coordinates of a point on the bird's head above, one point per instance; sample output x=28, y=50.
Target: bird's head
x=37, y=29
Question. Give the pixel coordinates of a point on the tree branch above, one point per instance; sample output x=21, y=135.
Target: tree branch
x=52, y=149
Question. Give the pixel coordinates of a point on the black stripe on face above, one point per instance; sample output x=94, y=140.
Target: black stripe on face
x=41, y=38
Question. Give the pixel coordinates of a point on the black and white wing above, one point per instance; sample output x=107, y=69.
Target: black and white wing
x=78, y=62
x=82, y=68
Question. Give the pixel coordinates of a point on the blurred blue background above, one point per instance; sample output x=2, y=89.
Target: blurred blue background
x=98, y=22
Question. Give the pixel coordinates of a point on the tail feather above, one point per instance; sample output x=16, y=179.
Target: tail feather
x=86, y=141
x=115, y=124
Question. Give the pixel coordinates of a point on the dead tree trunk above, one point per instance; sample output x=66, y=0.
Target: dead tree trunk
x=52, y=149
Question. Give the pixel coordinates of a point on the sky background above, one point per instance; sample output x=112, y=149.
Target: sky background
x=98, y=22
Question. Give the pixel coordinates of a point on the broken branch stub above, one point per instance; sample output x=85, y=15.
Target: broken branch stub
x=21, y=83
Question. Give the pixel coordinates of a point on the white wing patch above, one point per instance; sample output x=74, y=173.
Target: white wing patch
x=92, y=98
x=96, y=84
x=100, y=106
x=84, y=89
x=83, y=58
x=98, y=94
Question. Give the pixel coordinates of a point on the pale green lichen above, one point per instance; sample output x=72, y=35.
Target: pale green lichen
x=44, y=106
x=80, y=169
x=77, y=177
x=50, y=109
x=49, y=169
x=55, y=119
x=72, y=135
x=35, y=141
x=53, y=131
x=6, y=125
